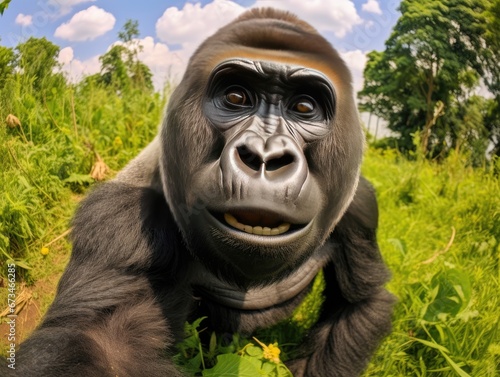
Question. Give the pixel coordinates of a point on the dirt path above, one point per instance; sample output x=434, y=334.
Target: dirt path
x=34, y=303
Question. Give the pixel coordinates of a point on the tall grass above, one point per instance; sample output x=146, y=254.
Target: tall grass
x=440, y=235
x=49, y=149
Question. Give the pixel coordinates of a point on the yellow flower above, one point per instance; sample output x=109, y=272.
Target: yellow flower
x=117, y=143
x=271, y=352
x=44, y=251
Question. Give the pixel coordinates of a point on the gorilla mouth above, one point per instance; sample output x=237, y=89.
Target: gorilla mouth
x=259, y=223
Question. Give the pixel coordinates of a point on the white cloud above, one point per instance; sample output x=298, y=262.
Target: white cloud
x=339, y=16
x=86, y=25
x=190, y=25
x=24, y=19
x=356, y=61
x=166, y=65
x=65, y=55
x=371, y=6
x=65, y=6
x=75, y=69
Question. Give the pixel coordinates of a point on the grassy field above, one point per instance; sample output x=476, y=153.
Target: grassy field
x=440, y=235
x=439, y=223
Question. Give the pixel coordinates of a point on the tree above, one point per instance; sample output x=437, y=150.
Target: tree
x=140, y=74
x=492, y=124
x=6, y=64
x=37, y=59
x=432, y=60
x=371, y=95
x=121, y=67
x=467, y=127
x=492, y=54
x=492, y=36
x=114, y=71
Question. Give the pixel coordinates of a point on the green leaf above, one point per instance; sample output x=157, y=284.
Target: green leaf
x=22, y=264
x=444, y=351
x=231, y=365
x=190, y=328
x=451, y=294
x=4, y=5
x=455, y=366
x=283, y=371
x=195, y=363
x=79, y=179
x=253, y=351
x=400, y=245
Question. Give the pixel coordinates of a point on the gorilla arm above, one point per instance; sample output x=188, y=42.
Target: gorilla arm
x=357, y=310
x=107, y=318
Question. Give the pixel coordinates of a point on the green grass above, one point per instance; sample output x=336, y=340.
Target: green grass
x=440, y=235
x=47, y=159
x=439, y=223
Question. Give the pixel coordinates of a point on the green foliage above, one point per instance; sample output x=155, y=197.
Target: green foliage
x=450, y=293
x=440, y=235
x=6, y=64
x=227, y=357
x=4, y=4
x=121, y=68
x=492, y=37
x=37, y=59
x=113, y=68
x=422, y=82
x=492, y=123
x=129, y=32
x=251, y=361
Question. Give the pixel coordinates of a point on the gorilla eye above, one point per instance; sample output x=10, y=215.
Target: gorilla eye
x=237, y=97
x=304, y=106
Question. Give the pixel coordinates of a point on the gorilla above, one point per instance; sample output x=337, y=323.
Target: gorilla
x=250, y=189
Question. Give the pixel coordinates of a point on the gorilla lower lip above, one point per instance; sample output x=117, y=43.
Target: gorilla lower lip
x=259, y=230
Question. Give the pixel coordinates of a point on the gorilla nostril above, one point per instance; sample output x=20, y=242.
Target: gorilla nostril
x=249, y=158
x=277, y=163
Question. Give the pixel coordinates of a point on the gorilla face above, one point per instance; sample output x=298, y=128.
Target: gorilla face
x=268, y=158
x=266, y=114
x=265, y=195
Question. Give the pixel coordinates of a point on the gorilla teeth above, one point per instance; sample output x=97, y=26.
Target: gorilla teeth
x=259, y=230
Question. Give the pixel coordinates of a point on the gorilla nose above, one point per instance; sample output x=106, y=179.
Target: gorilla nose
x=277, y=158
x=255, y=161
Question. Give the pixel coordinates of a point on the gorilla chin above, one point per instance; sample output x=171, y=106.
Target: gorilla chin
x=251, y=188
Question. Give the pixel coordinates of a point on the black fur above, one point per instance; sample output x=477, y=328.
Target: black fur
x=129, y=286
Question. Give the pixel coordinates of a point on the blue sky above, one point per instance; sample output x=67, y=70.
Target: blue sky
x=171, y=30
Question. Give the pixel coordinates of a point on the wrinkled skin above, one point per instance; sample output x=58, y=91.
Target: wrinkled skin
x=251, y=187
